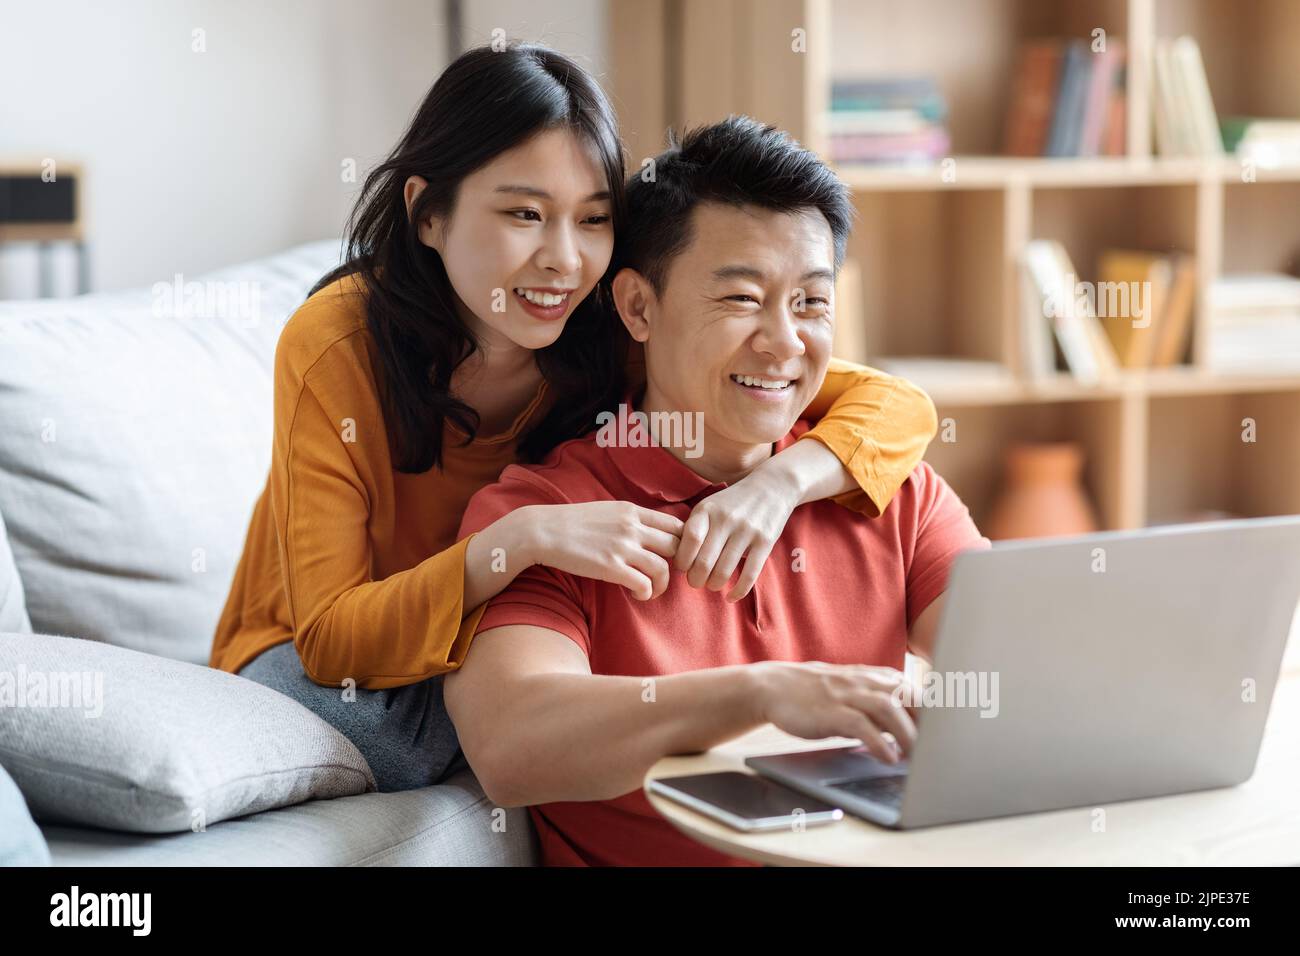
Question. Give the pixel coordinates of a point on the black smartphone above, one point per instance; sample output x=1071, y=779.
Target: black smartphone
x=745, y=801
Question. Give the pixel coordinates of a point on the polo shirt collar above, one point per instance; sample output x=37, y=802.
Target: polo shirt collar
x=655, y=471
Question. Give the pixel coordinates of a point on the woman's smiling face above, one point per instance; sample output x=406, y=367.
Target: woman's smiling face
x=527, y=240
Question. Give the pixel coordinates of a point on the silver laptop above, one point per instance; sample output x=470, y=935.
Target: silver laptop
x=1128, y=664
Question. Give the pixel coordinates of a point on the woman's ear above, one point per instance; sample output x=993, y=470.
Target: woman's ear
x=430, y=231
x=634, y=297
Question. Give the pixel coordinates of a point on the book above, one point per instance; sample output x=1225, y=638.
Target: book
x=920, y=93
x=1185, y=121
x=1084, y=347
x=1265, y=142
x=922, y=146
x=1067, y=119
x=1033, y=98
x=1253, y=292
x=1253, y=323
x=1099, y=98
x=875, y=122
x=1083, y=314
x=1175, y=322
x=1173, y=94
x=1115, y=138
x=1131, y=291
x=1204, y=125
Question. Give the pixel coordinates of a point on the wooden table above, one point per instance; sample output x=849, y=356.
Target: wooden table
x=1257, y=823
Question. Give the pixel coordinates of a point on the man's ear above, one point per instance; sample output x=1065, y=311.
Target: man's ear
x=430, y=229
x=634, y=297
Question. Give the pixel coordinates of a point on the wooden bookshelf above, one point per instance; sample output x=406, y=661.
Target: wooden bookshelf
x=939, y=246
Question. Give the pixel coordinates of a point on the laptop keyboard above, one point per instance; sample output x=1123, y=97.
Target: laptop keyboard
x=886, y=790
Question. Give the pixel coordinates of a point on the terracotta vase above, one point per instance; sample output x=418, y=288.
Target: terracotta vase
x=1042, y=495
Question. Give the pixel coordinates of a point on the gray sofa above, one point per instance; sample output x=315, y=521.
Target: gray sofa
x=446, y=825
x=136, y=438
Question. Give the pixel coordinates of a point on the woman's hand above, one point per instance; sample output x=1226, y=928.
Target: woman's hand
x=742, y=519
x=614, y=541
x=749, y=516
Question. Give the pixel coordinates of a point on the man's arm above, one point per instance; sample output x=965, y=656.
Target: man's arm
x=920, y=640
x=538, y=727
x=944, y=529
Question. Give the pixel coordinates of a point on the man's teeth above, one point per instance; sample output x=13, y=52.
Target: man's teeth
x=541, y=298
x=773, y=383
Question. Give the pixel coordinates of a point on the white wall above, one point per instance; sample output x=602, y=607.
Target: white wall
x=199, y=160
x=576, y=27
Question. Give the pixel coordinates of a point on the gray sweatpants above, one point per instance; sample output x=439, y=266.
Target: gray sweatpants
x=403, y=732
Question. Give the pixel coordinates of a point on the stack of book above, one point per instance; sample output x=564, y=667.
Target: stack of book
x=1254, y=323
x=1144, y=301
x=1264, y=142
x=1067, y=100
x=1056, y=305
x=891, y=120
x=1184, y=111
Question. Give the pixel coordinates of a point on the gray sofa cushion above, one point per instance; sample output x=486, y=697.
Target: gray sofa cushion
x=137, y=742
x=21, y=841
x=13, y=607
x=451, y=824
x=136, y=439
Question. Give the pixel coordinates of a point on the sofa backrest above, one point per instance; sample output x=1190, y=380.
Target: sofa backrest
x=13, y=605
x=135, y=439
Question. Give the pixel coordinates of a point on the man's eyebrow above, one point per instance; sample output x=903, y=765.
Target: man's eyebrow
x=543, y=194
x=739, y=272
x=753, y=272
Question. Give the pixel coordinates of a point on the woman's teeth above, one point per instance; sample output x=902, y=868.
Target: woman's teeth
x=772, y=383
x=541, y=298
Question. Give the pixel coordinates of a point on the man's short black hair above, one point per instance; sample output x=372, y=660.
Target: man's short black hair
x=738, y=162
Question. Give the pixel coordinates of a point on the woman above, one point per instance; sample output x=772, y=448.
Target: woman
x=470, y=328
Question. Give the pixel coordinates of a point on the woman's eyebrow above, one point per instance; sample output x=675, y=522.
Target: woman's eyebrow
x=543, y=194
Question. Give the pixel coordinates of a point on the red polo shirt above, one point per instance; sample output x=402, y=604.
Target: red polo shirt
x=838, y=587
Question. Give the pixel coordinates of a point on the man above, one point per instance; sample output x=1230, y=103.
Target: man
x=572, y=689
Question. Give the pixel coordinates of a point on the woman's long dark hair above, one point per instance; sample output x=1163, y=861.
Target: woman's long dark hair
x=485, y=103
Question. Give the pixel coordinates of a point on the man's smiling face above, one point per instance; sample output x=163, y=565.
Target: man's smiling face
x=742, y=330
